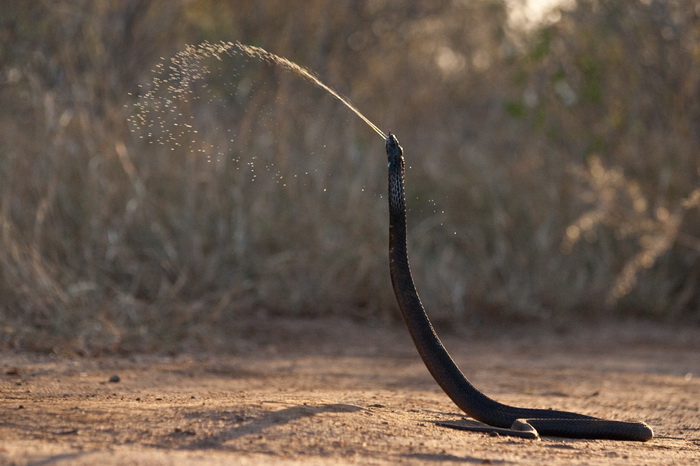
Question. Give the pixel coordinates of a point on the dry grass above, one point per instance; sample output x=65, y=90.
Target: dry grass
x=552, y=175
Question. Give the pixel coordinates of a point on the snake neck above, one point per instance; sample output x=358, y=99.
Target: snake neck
x=397, y=201
x=415, y=317
x=402, y=280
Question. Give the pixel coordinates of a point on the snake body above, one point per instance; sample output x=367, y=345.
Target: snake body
x=500, y=417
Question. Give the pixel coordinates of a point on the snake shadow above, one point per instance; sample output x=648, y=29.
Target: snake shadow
x=257, y=425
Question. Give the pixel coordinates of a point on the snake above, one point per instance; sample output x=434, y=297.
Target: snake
x=497, y=418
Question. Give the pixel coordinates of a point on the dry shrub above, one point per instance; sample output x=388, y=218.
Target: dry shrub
x=519, y=146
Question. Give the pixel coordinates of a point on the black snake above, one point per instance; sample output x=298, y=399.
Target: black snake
x=501, y=418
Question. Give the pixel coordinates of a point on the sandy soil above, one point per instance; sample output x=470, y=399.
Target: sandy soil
x=333, y=392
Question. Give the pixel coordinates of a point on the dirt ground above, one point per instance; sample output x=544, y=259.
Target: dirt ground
x=335, y=392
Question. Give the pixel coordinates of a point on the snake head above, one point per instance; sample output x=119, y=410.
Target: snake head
x=394, y=151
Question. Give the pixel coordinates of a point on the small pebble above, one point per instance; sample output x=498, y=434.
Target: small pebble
x=114, y=379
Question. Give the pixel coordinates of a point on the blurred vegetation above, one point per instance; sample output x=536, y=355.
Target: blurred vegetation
x=554, y=171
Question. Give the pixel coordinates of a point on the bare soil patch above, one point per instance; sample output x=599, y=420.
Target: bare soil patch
x=334, y=392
